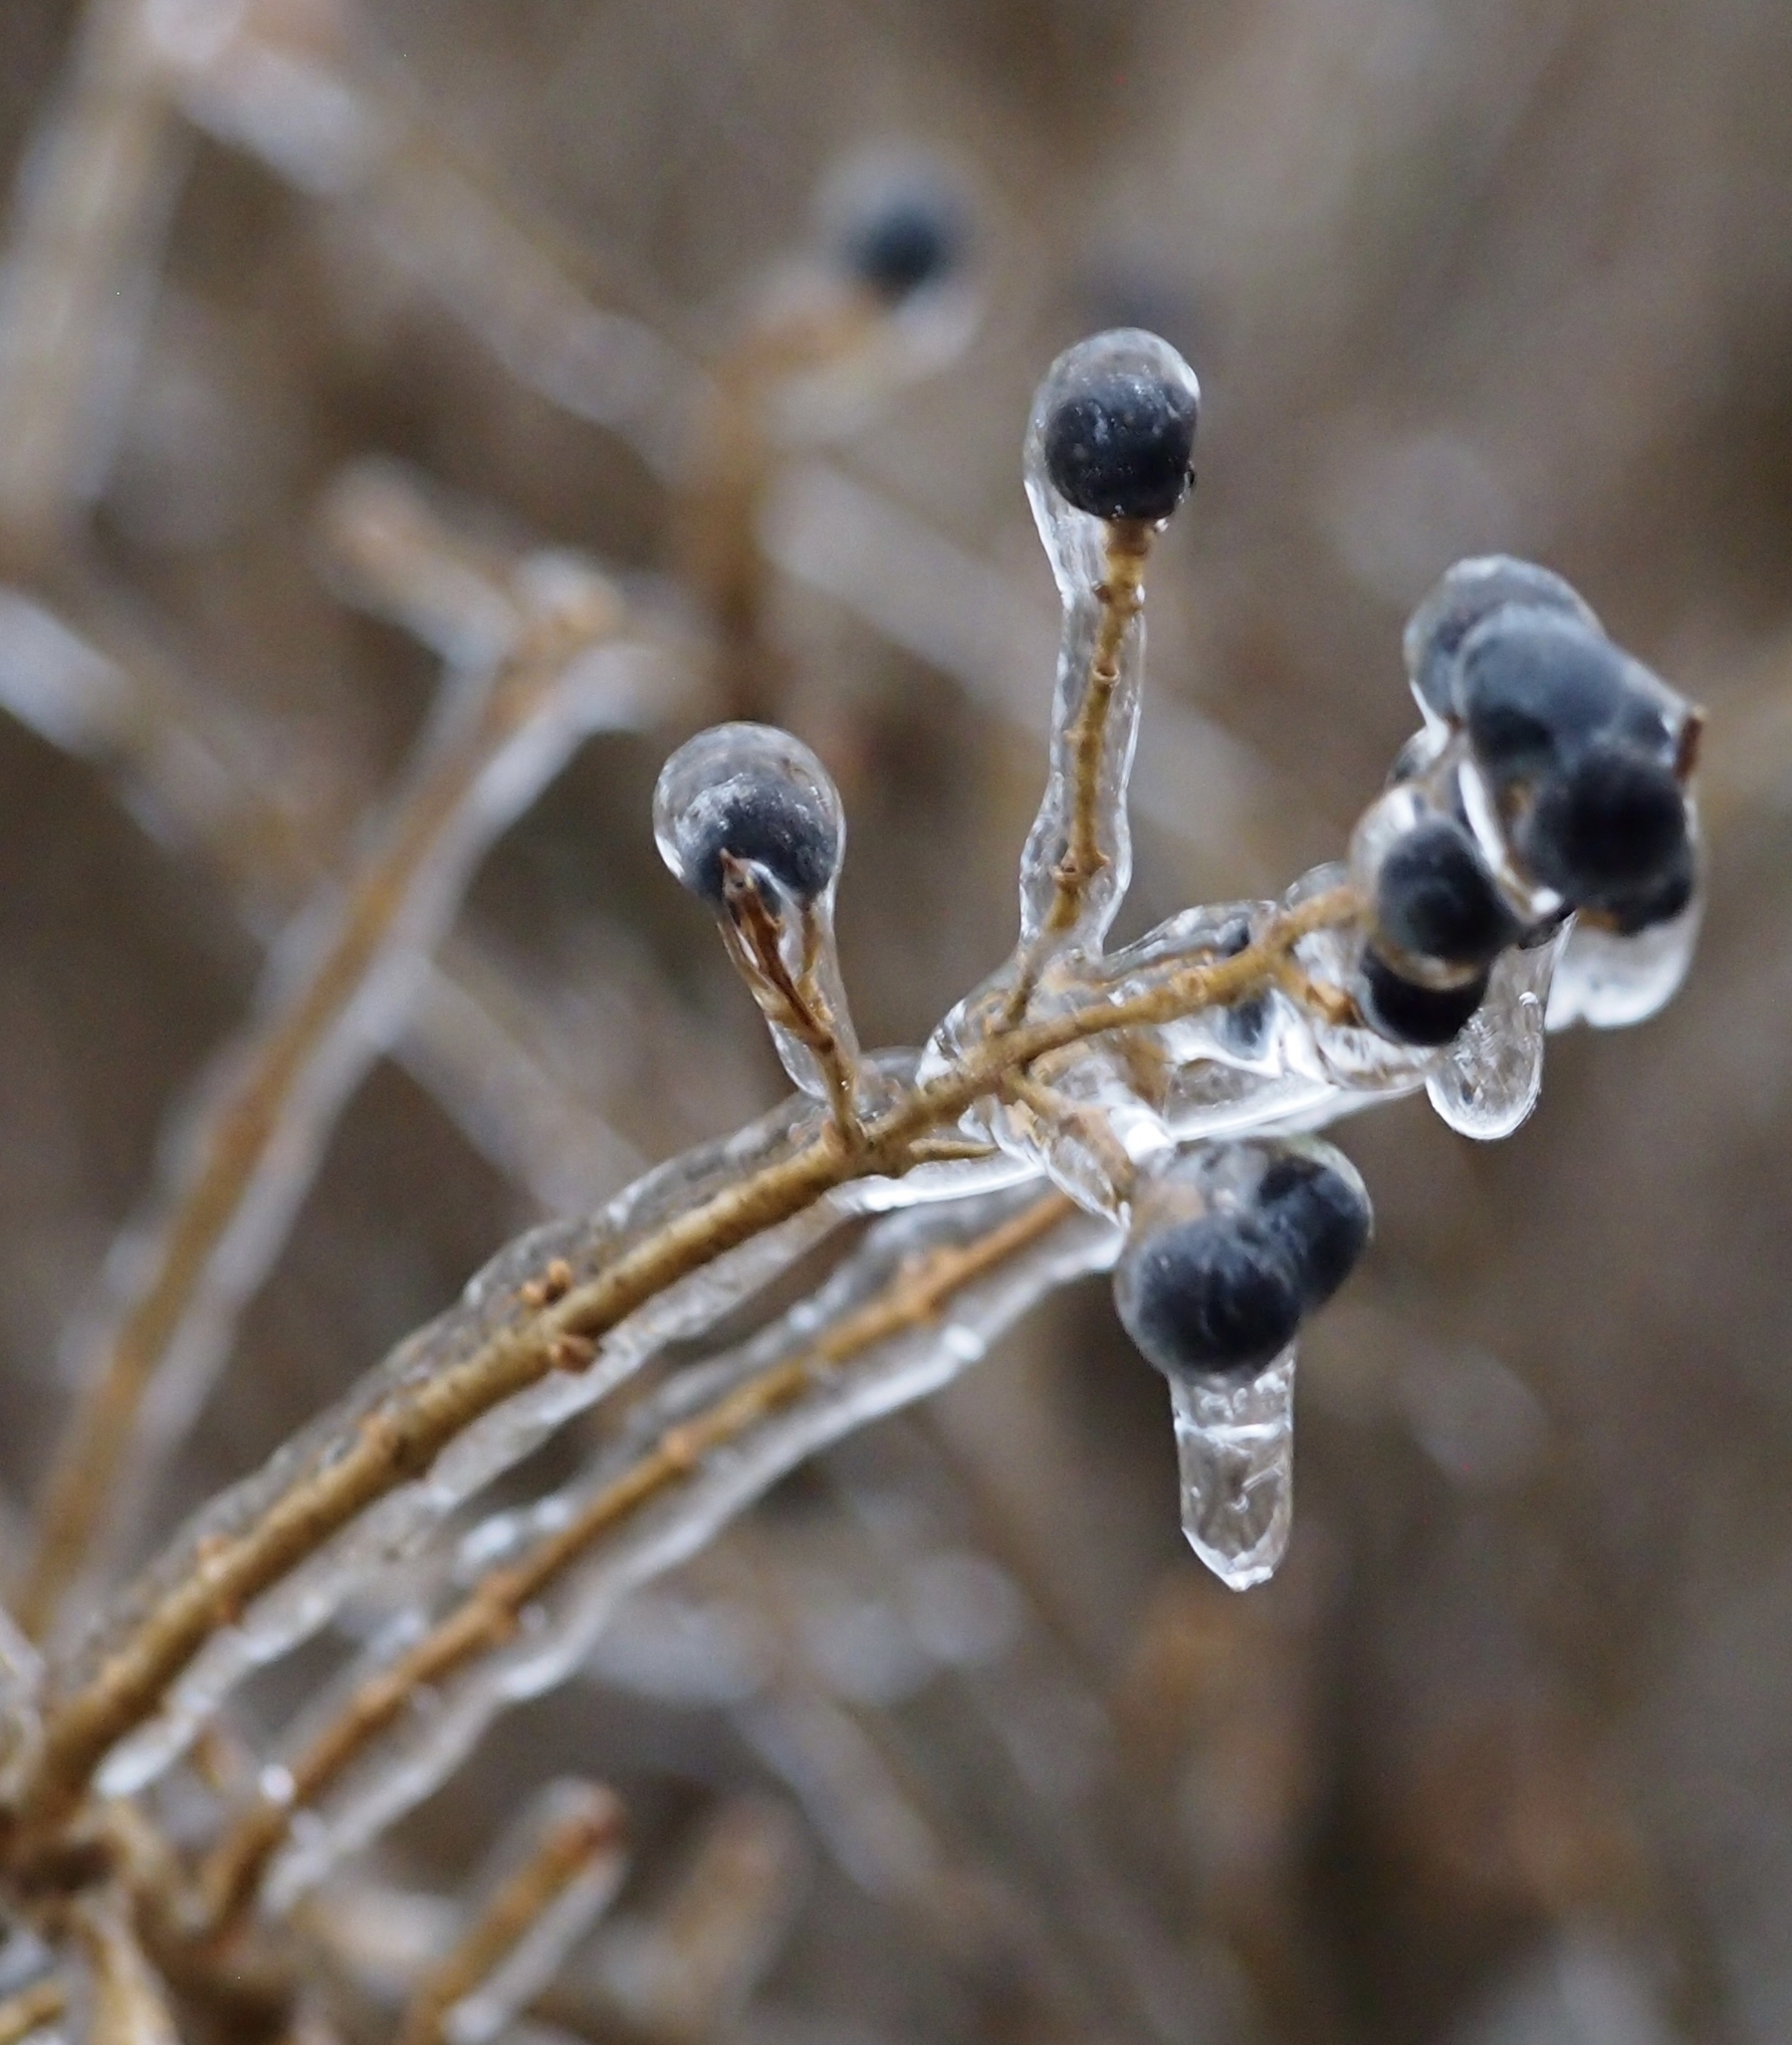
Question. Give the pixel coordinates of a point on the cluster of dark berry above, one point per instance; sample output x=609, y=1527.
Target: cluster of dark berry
x=1555, y=784
x=1550, y=780
x=1231, y=1246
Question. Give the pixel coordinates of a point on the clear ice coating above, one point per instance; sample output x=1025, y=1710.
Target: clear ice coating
x=1611, y=982
x=1097, y=569
x=561, y=1629
x=1491, y=1075
x=749, y=822
x=1235, y=1454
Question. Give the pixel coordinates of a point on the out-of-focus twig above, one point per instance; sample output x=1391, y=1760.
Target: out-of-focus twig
x=31, y=2009
x=93, y=201
x=331, y=993
x=564, y=1878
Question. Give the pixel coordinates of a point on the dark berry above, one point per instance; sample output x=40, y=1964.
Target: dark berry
x=1611, y=827
x=1120, y=446
x=1662, y=902
x=1467, y=594
x=1435, y=899
x=777, y=824
x=1408, y=1011
x=914, y=240
x=1245, y=1021
x=1213, y=1297
x=1535, y=690
x=1319, y=1216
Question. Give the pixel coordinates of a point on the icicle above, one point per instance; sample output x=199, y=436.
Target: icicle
x=1491, y=1075
x=1235, y=1451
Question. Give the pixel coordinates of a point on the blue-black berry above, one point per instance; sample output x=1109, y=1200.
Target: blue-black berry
x=1661, y=902
x=1435, y=899
x=1218, y=1296
x=1121, y=445
x=914, y=240
x=1320, y=1216
x=1535, y=690
x=1608, y=829
x=1467, y=594
x=1408, y=1011
x=777, y=824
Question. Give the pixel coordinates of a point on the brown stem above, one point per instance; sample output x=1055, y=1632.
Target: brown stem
x=1121, y=596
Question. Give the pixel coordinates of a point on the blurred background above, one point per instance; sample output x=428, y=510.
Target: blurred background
x=951, y=1740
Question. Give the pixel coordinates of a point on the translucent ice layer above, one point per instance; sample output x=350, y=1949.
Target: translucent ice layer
x=1235, y=1451
x=1490, y=1077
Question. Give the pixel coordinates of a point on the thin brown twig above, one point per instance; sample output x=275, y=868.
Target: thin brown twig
x=569, y=1846
x=400, y=1439
x=30, y=2009
x=1121, y=596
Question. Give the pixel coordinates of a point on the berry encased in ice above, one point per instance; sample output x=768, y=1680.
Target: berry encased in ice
x=777, y=824
x=1465, y=594
x=1313, y=1203
x=1632, y=913
x=1535, y=690
x=914, y=239
x=1121, y=444
x=1216, y=1297
x=1408, y=1011
x=1610, y=827
x=1435, y=899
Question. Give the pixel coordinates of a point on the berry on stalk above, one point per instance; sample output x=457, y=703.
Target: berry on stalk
x=749, y=795
x=1462, y=596
x=1435, y=899
x=1408, y=1010
x=1118, y=441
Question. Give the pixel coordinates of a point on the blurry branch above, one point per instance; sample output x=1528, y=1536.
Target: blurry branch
x=92, y=200
x=568, y=1869
x=127, y=2005
x=489, y=1615
x=518, y=296
x=31, y=2009
x=685, y=1971
x=333, y=989
x=471, y=1035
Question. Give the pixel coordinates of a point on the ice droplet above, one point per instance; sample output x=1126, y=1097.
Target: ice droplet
x=1235, y=1449
x=1611, y=982
x=1491, y=1079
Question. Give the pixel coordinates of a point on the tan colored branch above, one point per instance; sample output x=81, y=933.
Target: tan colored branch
x=128, y=2004
x=571, y=1846
x=30, y=2009
x=1121, y=596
